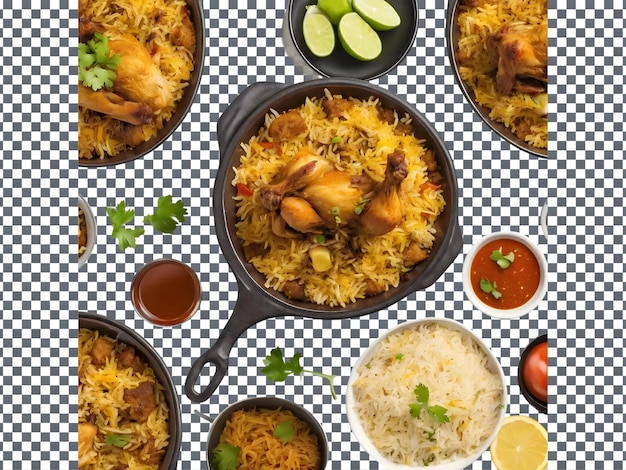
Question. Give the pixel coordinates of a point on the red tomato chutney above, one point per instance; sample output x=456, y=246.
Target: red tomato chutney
x=517, y=283
x=166, y=292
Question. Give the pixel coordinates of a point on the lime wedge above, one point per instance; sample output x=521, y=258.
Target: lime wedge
x=358, y=38
x=335, y=9
x=378, y=13
x=318, y=32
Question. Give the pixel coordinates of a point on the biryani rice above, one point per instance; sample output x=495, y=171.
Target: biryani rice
x=457, y=373
x=151, y=23
x=518, y=110
x=101, y=398
x=366, y=143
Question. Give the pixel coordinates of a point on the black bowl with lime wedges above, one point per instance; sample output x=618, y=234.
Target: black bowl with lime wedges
x=362, y=39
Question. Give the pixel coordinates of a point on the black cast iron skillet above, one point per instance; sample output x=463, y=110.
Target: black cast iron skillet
x=126, y=335
x=182, y=107
x=239, y=122
x=452, y=36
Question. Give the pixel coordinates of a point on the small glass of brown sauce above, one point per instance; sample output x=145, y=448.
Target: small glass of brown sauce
x=166, y=292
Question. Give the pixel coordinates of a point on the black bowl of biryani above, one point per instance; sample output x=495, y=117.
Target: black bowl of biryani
x=140, y=65
x=426, y=394
x=395, y=43
x=334, y=199
x=128, y=409
x=267, y=432
x=86, y=231
x=498, y=50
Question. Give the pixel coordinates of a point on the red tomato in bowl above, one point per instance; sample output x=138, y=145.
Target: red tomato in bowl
x=535, y=372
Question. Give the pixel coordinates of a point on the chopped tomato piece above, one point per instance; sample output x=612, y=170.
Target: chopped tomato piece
x=244, y=190
x=429, y=187
x=267, y=145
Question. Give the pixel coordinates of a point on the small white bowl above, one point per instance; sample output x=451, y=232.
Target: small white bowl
x=90, y=221
x=366, y=442
x=516, y=312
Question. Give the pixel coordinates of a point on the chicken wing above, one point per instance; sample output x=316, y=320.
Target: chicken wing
x=303, y=168
x=138, y=78
x=109, y=103
x=521, y=51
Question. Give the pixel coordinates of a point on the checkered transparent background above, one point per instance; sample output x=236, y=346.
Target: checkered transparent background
x=500, y=188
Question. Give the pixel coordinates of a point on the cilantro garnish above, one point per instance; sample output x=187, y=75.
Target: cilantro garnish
x=164, y=219
x=166, y=215
x=436, y=412
x=277, y=369
x=359, y=207
x=226, y=457
x=504, y=261
x=96, y=65
x=120, y=216
x=117, y=440
x=334, y=211
x=489, y=287
x=284, y=431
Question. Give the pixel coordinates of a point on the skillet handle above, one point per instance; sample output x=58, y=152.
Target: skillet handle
x=451, y=251
x=240, y=109
x=246, y=313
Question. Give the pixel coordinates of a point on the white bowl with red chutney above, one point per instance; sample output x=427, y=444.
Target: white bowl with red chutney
x=505, y=275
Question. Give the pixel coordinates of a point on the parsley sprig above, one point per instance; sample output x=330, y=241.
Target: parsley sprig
x=277, y=369
x=96, y=65
x=436, y=412
x=166, y=215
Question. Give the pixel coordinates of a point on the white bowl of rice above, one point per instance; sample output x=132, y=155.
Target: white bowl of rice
x=427, y=394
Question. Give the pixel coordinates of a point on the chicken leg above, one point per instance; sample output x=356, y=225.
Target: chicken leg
x=385, y=211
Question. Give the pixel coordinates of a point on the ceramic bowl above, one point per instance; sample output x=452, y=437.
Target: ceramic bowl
x=90, y=222
x=396, y=44
x=359, y=431
x=532, y=302
x=270, y=403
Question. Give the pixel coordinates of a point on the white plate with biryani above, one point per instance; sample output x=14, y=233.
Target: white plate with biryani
x=139, y=69
x=498, y=50
x=427, y=394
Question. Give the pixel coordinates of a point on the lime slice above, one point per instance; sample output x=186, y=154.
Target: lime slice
x=358, y=38
x=318, y=32
x=378, y=13
x=335, y=9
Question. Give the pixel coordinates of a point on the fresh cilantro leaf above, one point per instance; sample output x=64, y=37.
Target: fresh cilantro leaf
x=430, y=436
x=489, y=287
x=421, y=393
x=96, y=65
x=226, y=457
x=415, y=409
x=284, y=431
x=277, y=369
x=399, y=356
x=117, y=440
x=119, y=216
x=436, y=412
x=166, y=215
x=504, y=261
